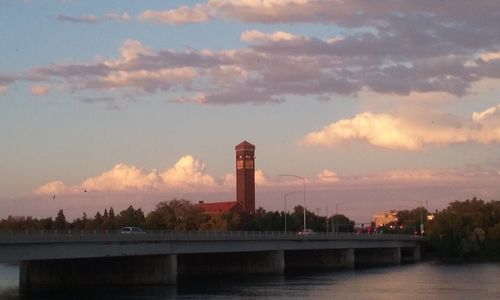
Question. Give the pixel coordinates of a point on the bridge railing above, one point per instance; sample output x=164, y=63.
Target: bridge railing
x=154, y=235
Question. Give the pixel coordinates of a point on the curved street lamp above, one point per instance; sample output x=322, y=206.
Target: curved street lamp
x=303, y=190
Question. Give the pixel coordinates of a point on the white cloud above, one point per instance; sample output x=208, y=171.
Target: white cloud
x=261, y=178
x=149, y=80
x=132, y=48
x=490, y=56
x=328, y=176
x=257, y=36
x=487, y=114
x=229, y=180
x=55, y=188
x=40, y=90
x=380, y=130
x=182, y=15
x=410, y=134
x=188, y=173
x=261, y=11
x=123, y=178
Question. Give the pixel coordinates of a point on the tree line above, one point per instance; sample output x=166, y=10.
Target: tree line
x=466, y=230
x=182, y=215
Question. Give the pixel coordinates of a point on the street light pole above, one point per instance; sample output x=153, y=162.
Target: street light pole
x=286, y=195
x=304, y=191
x=421, y=219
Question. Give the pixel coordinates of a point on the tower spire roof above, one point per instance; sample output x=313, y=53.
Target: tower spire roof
x=245, y=146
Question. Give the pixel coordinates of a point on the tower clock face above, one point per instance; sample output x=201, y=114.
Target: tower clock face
x=239, y=164
x=249, y=164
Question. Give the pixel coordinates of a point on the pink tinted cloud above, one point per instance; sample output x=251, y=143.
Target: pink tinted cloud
x=399, y=48
x=409, y=134
x=181, y=15
x=276, y=65
x=40, y=90
x=188, y=174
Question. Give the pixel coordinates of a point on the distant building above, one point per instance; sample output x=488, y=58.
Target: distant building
x=245, y=184
x=384, y=218
x=215, y=208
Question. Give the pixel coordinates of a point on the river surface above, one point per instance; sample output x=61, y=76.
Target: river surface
x=417, y=281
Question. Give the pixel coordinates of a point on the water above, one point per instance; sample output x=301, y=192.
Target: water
x=419, y=281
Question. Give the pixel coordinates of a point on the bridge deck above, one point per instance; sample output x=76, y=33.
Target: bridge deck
x=67, y=245
x=157, y=235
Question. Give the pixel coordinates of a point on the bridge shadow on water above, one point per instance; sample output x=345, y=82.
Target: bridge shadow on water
x=215, y=287
x=292, y=284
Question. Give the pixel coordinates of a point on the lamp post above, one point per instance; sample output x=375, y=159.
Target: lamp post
x=286, y=195
x=303, y=190
x=336, y=214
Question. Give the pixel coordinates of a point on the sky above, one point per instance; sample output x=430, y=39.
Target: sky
x=379, y=105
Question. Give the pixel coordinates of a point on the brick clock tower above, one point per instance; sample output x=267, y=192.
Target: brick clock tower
x=245, y=177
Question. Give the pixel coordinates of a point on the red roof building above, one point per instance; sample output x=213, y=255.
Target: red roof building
x=215, y=208
x=245, y=185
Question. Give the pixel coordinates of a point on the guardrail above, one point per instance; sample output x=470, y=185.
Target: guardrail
x=34, y=236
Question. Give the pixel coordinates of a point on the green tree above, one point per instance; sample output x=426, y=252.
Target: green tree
x=111, y=219
x=97, y=222
x=46, y=223
x=264, y=221
x=131, y=217
x=465, y=229
x=341, y=223
x=177, y=214
x=60, y=221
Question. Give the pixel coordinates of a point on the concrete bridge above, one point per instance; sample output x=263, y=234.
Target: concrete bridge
x=53, y=259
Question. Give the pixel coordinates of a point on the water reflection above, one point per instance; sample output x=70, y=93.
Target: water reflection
x=421, y=281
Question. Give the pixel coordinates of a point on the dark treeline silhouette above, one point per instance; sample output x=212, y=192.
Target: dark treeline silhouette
x=466, y=230
x=274, y=221
x=181, y=215
x=104, y=220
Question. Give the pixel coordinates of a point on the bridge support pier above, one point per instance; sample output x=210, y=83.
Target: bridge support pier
x=129, y=270
x=377, y=256
x=319, y=259
x=234, y=263
x=410, y=255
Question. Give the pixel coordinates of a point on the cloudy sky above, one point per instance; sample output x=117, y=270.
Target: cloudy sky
x=378, y=104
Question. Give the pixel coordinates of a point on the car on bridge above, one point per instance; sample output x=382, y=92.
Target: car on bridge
x=132, y=230
x=306, y=232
